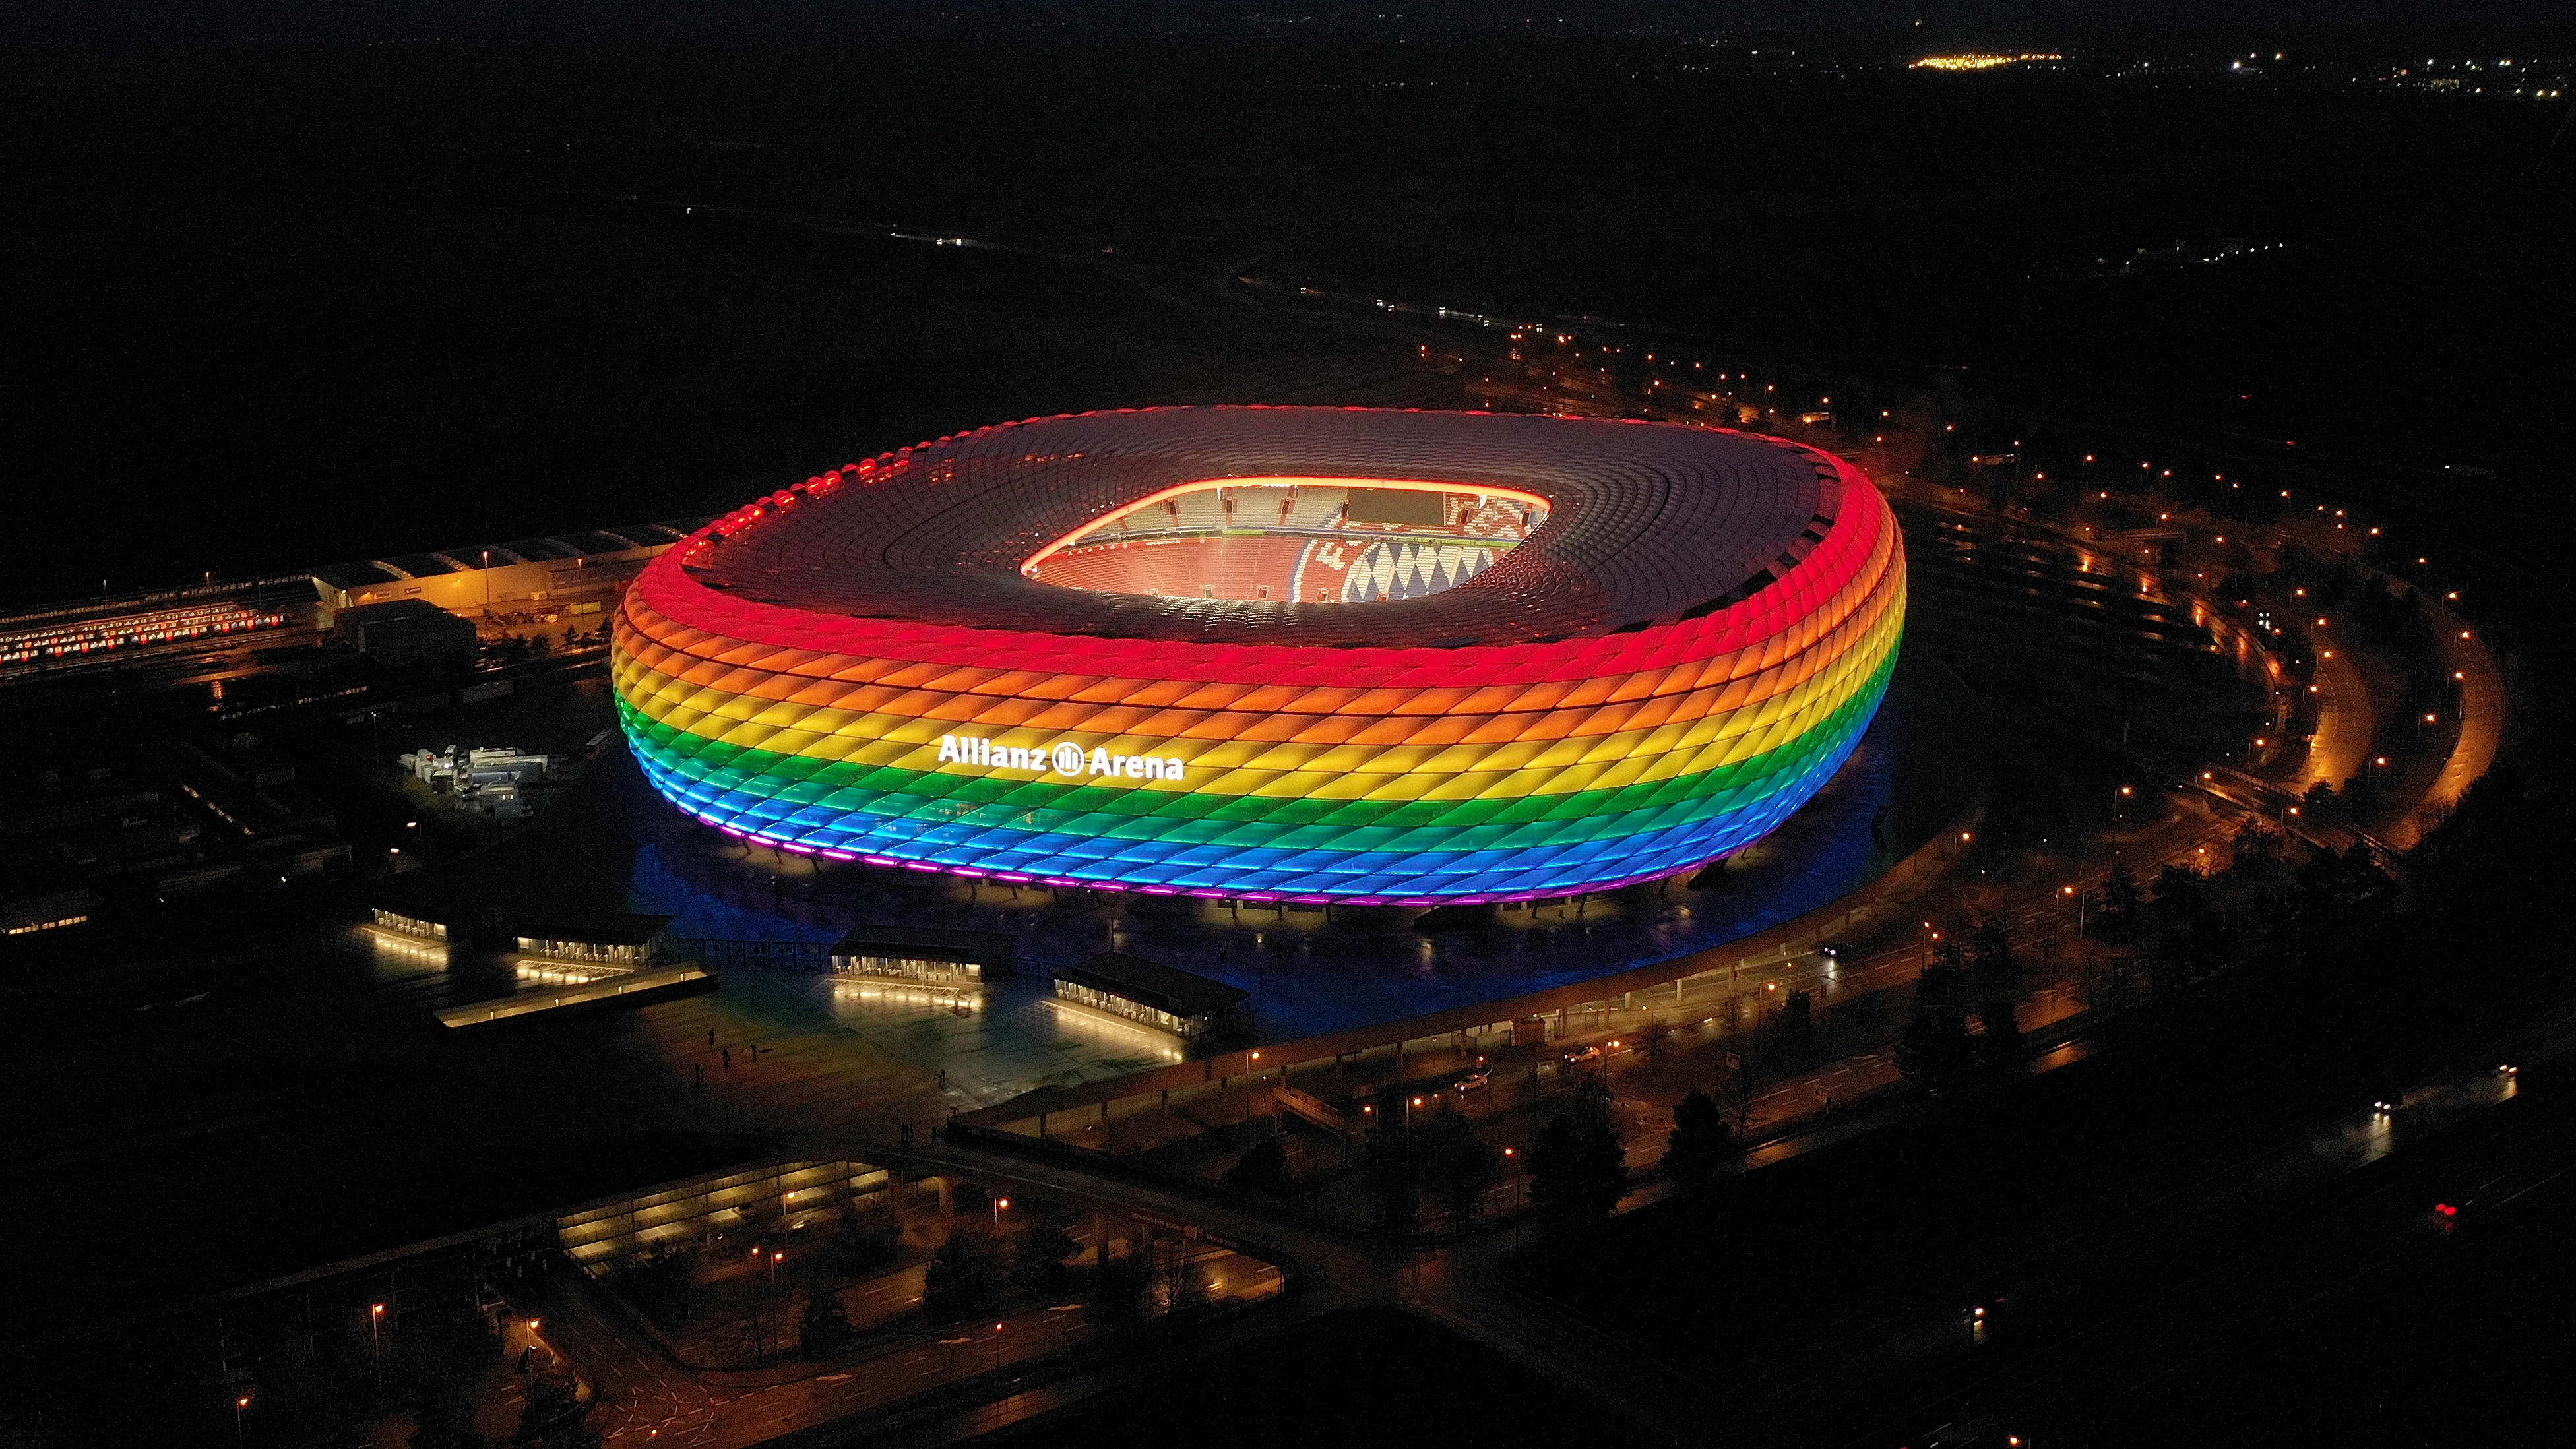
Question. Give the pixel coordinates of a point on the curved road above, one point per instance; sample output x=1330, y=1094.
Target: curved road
x=2481, y=708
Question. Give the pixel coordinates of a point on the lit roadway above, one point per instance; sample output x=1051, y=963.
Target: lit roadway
x=2344, y=716
x=2481, y=707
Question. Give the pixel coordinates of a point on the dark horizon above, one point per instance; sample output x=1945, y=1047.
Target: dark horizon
x=2342, y=26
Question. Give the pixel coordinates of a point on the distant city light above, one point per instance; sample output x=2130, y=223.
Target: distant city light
x=1979, y=60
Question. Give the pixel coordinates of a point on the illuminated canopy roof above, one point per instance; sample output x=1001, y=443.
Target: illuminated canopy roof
x=1680, y=654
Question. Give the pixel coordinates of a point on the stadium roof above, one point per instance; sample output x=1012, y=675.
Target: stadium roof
x=1646, y=523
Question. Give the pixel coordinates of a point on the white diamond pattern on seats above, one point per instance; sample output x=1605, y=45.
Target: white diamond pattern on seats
x=1405, y=569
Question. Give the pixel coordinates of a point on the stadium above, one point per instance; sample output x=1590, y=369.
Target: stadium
x=1275, y=654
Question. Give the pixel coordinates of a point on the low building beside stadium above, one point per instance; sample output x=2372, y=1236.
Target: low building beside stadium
x=1151, y=994
x=931, y=957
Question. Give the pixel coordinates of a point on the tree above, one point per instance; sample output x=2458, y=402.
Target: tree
x=658, y=1285
x=1738, y=1088
x=2363, y=878
x=2120, y=896
x=1038, y=1260
x=826, y=1329
x=2002, y=1041
x=1577, y=1167
x=2320, y=799
x=2320, y=882
x=1183, y=1284
x=1456, y=1166
x=2333, y=890
x=444, y=1434
x=2255, y=873
x=444, y=1420
x=556, y=1416
x=764, y=1319
x=866, y=1243
x=2181, y=895
x=2209, y=942
x=964, y=1279
x=1121, y=1286
x=1698, y=1143
x=1394, y=1180
x=1798, y=1015
x=1948, y=963
x=1935, y=1049
x=1653, y=1039
x=1989, y=946
x=1263, y=1167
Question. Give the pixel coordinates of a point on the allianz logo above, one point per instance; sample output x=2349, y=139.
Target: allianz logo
x=1064, y=758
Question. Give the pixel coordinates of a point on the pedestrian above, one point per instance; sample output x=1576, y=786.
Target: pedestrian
x=943, y=1079
x=905, y=1137
x=711, y=1036
x=702, y=1074
x=728, y=1058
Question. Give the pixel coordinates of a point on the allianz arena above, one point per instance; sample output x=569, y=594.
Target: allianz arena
x=1299, y=654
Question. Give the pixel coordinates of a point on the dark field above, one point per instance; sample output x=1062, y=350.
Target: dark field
x=1359, y=1376
x=278, y=305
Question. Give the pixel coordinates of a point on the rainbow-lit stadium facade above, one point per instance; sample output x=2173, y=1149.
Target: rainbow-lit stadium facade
x=1591, y=653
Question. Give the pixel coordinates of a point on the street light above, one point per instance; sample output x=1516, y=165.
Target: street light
x=997, y=1348
x=238, y=1405
x=999, y=1203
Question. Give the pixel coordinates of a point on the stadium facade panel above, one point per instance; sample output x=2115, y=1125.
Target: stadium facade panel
x=873, y=665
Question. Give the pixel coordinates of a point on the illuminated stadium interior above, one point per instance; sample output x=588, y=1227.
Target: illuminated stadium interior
x=1317, y=540
x=1122, y=650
